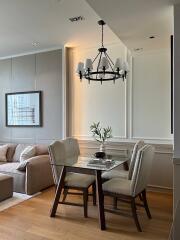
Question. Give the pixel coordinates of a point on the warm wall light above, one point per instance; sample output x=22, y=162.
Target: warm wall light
x=106, y=70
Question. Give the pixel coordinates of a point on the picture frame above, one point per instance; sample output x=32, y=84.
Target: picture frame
x=24, y=109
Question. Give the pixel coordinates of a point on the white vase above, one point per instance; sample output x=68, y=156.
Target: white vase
x=102, y=147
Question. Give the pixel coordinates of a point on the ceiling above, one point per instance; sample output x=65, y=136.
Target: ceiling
x=135, y=20
x=46, y=22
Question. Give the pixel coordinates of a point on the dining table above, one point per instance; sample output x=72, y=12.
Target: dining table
x=92, y=166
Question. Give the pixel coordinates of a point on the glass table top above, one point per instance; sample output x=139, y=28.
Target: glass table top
x=106, y=164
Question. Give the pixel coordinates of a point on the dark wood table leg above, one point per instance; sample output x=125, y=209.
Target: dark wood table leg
x=100, y=200
x=126, y=166
x=58, y=192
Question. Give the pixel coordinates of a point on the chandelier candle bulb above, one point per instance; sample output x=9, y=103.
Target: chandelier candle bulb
x=80, y=67
x=121, y=71
x=126, y=66
x=118, y=64
x=104, y=63
x=89, y=64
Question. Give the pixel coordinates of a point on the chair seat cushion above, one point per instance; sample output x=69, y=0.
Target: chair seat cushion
x=115, y=174
x=79, y=180
x=118, y=186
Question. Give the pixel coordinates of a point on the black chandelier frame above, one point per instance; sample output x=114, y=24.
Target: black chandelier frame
x=112, y=75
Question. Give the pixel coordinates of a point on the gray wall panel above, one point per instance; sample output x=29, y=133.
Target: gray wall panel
x=5, y=86
x=23, y=79
x=42, y=71
x=23, y=73
x=50, y=82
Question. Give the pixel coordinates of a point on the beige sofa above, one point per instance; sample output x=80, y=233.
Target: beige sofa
x=37, y=174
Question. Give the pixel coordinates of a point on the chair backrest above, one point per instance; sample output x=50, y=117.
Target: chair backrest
x=63, y=152
x=71, y=146
x=142, y=169
x=137, y=146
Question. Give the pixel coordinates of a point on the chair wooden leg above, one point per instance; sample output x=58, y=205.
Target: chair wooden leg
x=140, y=197
x=146, y=204
x=94, y=193
x=65, y=192
x=134, y=213
x=58, y=192
x=85, y=201
x=115, y=199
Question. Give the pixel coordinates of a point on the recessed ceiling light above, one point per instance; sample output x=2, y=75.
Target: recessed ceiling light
x=152, y=37
x=138, y=49
x=77, y=18
x=35, y=44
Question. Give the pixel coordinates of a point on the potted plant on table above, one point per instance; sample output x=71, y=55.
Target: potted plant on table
x=101, y=135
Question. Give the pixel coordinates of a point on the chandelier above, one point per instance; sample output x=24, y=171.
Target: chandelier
x=105, y=69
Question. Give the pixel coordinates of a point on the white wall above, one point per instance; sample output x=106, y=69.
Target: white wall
x=136, y=108
x=94, y=102
x=151, y=112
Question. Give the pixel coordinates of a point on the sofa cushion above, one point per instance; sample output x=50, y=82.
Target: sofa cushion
x=18, y=176
x=9, y=167
x=41, y=149
x=22, y=165
x=18, y=151
x=3, y=151
x=10, y=151
x=27, y=153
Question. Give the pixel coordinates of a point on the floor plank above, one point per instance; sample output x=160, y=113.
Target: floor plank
x=30, y=220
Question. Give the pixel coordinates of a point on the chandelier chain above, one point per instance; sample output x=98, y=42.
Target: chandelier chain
x=102, y=36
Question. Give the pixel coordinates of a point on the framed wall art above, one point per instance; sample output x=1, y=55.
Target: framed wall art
x=24, y=109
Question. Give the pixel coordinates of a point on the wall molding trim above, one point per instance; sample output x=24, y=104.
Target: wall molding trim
x=124, y=145
x=176, y=161
x=60, y=47
x=119, y=139
x=132, y=91
x=160, y=189
x=64, y=105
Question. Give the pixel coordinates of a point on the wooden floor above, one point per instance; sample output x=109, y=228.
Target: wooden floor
x=30, y=221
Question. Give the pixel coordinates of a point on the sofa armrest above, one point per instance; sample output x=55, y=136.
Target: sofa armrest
x=38, y=174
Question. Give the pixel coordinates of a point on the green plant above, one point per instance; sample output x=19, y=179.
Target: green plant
x=99, y=133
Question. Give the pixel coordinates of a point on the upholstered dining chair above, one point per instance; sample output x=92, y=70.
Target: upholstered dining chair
x=124, y=173
x=127, y=190
x=67, y=152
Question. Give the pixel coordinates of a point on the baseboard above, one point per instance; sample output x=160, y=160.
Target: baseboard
x=160, y=189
